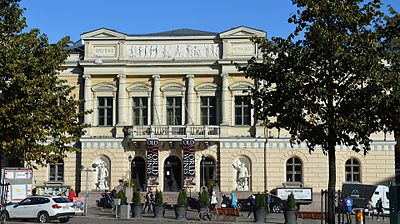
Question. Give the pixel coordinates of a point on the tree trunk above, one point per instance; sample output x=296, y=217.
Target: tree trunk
x=331, y=183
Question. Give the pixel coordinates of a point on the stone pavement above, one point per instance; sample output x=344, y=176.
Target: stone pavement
x=97, y=216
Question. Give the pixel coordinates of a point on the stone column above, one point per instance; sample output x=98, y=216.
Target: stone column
x=191, y=118
x=122, y=99
x=87, y=96
x=156, y=100
x=224, y=99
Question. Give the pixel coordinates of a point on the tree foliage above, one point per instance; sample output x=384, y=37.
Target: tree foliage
x=39, y=116
x=333, y=81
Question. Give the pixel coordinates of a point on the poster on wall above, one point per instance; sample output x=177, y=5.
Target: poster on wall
x=189, y=162
x=18, y=192
x=152, y=161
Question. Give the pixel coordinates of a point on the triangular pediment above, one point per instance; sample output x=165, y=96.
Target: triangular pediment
x=242, y=32
x=103, y=33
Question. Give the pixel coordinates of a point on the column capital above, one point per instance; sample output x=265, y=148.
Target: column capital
x=121, y=76
x=224, y=75
x=190, y=76
x=156, y=77
x=87, y=76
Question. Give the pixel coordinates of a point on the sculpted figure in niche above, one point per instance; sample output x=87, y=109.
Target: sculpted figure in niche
x=102, y=175
x=242, y=175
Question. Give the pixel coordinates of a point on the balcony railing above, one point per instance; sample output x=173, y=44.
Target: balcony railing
x=171, y=131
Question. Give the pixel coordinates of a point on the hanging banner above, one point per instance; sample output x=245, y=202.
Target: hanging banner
x=152, y=161
x=189, y=162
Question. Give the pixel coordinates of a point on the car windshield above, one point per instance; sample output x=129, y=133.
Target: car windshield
x=61, y=200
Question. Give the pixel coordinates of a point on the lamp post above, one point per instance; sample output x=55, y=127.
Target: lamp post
x=87, y=170
x=130, y=170
x=204, y=169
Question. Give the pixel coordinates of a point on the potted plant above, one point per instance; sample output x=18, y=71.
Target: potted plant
x=159, y=207
x=260, y=212
x=136, y=205
x=180, y=208
x=290, y=212
x=124, y=208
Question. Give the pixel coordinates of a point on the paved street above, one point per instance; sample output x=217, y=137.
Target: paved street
x=97, y=216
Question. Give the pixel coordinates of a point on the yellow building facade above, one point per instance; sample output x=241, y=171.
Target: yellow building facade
x=183, y=85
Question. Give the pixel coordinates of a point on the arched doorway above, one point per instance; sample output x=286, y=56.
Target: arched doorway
x=207, y=171
x=139, y=173
x=172, y=174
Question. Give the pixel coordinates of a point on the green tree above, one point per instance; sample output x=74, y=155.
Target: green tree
x=332, y=80
x=39, y=116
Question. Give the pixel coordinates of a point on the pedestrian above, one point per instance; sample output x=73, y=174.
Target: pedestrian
x=268, y=199
x=71, y=194
x=348, y=207
x=224, y=201
x=252, y=200
x=379, y=209
x=234, y=201
x=214, y=200
x=148, y=203
x=370, y=208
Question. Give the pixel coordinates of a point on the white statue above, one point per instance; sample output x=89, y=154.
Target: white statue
x=102, y=175
x=242, y=176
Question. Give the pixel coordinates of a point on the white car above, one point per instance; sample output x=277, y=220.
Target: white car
x=41, y=208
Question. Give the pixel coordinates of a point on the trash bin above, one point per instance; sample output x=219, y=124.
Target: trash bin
x=360, y=217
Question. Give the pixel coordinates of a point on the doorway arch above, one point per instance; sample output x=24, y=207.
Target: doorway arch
x=138, y=174
x=172, y=174
x=207, y=171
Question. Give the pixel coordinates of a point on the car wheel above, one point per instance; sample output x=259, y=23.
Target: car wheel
x=63, y=220
x=277, y=208
x=4, y=217
x=43, y=217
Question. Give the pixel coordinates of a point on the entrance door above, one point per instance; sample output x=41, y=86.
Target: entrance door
x=172, y=174
x=207, y=170
x=139, y=173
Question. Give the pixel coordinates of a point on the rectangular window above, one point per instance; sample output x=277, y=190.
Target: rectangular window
x=56, y=172
x=242, y=110
x=174, y=110
x=139, y=111
x=208, y=111
x=105, y=109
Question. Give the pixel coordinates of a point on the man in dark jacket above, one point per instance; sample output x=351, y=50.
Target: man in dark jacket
x=252, y=200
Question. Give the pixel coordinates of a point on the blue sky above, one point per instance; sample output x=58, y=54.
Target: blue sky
x=58, y=18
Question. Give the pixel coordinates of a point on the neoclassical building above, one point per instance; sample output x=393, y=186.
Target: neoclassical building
x=170, y=110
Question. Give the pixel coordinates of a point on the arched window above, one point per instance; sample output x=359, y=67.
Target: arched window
x=352, y=170
x=294, y=170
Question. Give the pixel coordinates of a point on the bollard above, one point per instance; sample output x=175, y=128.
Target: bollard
x=360, y=216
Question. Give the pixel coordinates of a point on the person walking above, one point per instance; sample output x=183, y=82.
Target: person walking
x=348, y=207
x=379, y=209
x=252, y=200
x=370, y=208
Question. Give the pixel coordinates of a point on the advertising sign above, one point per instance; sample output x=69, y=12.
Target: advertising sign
x=18, y=192
x=79, y=204
x=302, y=195
x=189, y=162
x=152, y=161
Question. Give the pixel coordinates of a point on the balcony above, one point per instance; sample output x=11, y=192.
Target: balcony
x=171, y=131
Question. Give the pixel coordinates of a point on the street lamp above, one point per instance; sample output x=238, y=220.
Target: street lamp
x=87, y=170
x=203, y=158
x=130, y=171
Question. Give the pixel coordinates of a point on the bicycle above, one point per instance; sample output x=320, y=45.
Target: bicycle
x=204, y=214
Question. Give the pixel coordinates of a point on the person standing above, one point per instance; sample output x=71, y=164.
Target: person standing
x=370, y=208
x=214, y=200
x=71, y=194
x=252, y=200
x=234, y=201
x=348, y=207
x=379, y=209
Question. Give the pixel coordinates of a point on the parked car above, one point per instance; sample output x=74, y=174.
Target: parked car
x=276, y=204
x=41, y=208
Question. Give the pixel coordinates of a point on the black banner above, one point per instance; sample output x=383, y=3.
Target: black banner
x=189, y=162
x=152, y=161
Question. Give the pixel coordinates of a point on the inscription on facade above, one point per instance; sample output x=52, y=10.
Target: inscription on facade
x=104, y=51
x=242, y=49
x=173, y=51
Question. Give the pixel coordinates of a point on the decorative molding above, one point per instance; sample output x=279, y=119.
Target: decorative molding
x=158, y=51
x=104, y=87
